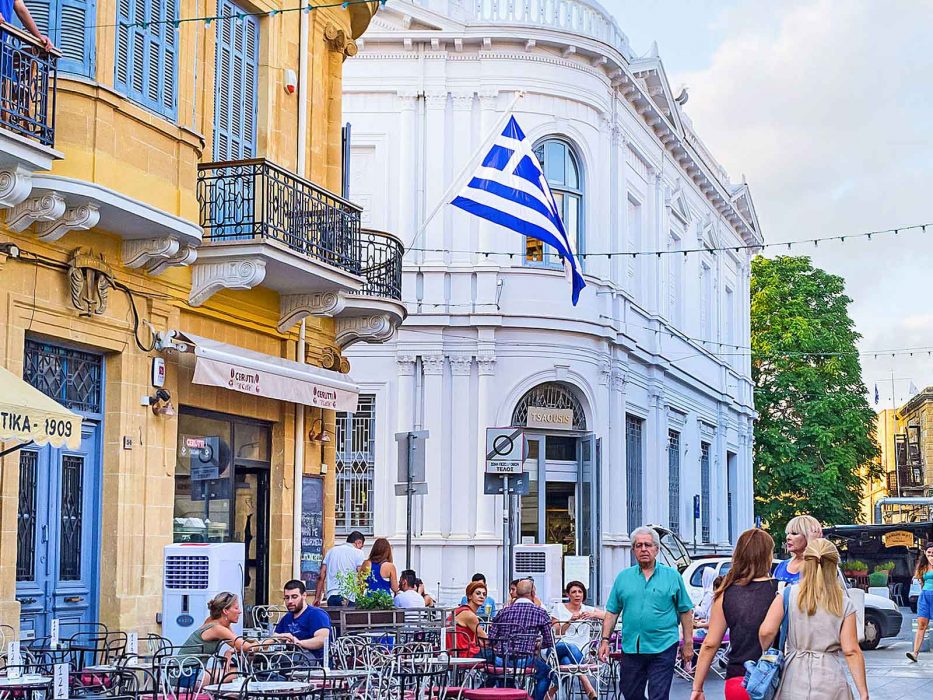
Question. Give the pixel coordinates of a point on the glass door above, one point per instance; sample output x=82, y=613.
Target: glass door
x=588, y=507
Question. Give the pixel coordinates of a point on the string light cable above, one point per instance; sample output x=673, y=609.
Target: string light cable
x=239, y=16
x=756, y=247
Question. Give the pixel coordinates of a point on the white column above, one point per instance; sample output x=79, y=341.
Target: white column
x=486, y=506
x=461, y=463
x=721, y=479
x=615, y=504
x=434, y=457
x=488, y=116
x=407, y=222
x=436, y=172
x=405, y=420
x=461, y=223
x=655, y=467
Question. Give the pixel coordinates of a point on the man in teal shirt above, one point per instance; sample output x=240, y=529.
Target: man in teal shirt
x=651, y=598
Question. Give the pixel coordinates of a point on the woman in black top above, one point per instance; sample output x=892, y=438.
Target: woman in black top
x=740, y=605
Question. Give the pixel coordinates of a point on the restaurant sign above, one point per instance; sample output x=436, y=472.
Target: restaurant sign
x=899, y=538
x=550, y=418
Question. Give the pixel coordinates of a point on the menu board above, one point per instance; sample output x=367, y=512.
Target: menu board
x=312, y=529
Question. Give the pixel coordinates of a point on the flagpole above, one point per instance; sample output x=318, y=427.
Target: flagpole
x=457, y=182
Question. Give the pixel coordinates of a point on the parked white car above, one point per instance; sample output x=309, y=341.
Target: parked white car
x=878, y=616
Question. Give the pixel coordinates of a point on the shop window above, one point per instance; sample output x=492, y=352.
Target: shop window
x=356, y=467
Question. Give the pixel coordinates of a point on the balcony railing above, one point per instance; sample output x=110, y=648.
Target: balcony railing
x=27, y=86
x=255, y=199
x=381, y=265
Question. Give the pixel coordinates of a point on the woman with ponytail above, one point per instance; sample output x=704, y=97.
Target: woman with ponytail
x=821, y=632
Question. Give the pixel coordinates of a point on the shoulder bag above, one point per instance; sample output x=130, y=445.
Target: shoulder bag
x=763, y=677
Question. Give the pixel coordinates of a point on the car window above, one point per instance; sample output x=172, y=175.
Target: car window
x=726, y=565
x=697, y=578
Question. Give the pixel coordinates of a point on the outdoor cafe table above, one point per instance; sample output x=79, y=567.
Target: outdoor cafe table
x=27, y=684
x=234, y=689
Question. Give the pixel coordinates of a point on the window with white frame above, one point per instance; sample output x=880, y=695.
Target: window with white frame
x=673, y=479
x=705, y=501
x=634, y=469
x=356, y=467
x=561, y=167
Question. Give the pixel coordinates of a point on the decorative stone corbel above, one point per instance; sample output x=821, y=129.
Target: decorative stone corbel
x=80, y=218
x=156, y=255
x=377, y=328
x=337, y=40
x=15, y=186
x=45, y=207
x=210, y=276
x=294, y=307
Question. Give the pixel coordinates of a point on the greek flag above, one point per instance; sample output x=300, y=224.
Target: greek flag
x=509, y=189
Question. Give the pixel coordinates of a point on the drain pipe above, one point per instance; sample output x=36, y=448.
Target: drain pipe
x=304, y=19
x=906, y=501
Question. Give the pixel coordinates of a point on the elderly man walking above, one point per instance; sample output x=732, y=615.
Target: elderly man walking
x=651, y=598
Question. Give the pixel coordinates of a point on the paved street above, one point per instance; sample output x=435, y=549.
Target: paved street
x=891, y=676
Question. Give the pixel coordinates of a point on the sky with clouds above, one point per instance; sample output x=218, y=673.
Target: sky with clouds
x=825, y=107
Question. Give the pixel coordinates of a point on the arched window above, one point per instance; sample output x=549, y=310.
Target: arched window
x=549, y=395
x=562, y=171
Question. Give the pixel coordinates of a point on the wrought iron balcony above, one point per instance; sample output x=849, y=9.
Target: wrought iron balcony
x=260, y=201
x=381, y=265
x=27, y=86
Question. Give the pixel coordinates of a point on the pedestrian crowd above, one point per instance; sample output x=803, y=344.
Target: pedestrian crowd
x=647, y=626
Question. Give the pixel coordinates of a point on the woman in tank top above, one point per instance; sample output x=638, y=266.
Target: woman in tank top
x=924, y=574
x=466, y=627
x=381, y=574
x=740, y=604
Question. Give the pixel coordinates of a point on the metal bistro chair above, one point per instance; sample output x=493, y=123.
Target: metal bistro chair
x=509, y=659
x=266, y=617
x=418, y=675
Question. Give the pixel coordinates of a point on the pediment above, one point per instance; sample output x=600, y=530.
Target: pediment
x=742, y=200
x=677, y=204
x=651, y=70
x=406, y=17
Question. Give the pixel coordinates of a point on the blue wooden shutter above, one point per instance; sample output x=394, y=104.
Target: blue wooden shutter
x=236, y=84
x=71, y=31
x=146, y=65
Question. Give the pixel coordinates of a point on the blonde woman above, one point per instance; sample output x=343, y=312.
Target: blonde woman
x=799, y=532
x=821, y=632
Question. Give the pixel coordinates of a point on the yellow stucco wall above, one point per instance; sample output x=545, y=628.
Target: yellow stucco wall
x=110, y=141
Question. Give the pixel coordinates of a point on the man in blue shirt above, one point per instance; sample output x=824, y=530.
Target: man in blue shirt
x=303, y=624
x=653, y=600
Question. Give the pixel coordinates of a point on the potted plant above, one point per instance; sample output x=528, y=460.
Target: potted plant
x=856, y=567
x=879, y=577
x=372, y=608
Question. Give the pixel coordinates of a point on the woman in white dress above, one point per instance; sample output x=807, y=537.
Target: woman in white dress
x=821, y=632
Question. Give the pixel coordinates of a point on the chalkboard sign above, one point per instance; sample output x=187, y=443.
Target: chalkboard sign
x=312, y=529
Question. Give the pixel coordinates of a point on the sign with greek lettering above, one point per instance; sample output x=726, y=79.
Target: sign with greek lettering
x=14, y=660
x=54, y=632
x=132, y=644
x=550, y=418
x=505, y=450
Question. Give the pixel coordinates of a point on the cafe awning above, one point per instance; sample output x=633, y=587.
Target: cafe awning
x=238, y=369
x=28, y=415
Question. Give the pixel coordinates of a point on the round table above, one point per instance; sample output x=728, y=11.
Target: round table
x=24, y=682
x=261, y=687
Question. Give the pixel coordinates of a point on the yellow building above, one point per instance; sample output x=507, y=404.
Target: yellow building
x=906, y=439
x=173, y=221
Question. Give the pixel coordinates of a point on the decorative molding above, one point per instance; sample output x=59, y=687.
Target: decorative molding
x=15, y=186
x=618, y=380
x=90, y=279
x=46, y=207
x=81, y=218
x=486, y=364
x=461, y=365
x=433, y=364
x=406, y=365
x=208, y=277
x=156, y=255
x=435, y=99
x=463, y=101
x=332, y=359
x=675, y=417
x=336, y=40
x=377, y=328
x=294, y=307
x=655, y=394
x=605, y=373
x=707, y=430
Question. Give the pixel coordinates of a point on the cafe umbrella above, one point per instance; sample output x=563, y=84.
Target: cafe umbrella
x=30, y=417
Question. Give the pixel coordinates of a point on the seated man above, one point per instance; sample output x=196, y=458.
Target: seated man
x=520, y=625
x=408, y=596
x=303, y=624
x=489, y=607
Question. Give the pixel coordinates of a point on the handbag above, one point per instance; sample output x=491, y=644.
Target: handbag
x=763, y=677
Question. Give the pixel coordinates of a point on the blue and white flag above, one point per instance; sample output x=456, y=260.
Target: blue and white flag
x=877, y=395
x=509, y=189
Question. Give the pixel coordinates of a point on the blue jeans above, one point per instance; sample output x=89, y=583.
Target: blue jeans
x=337, y=601
x=568, y=653
x=656, y=671
x=542, y=672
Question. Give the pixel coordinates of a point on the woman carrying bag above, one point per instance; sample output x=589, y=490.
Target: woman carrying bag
x=822, y=632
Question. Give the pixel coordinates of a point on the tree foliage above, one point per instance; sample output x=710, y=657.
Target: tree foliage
x=815, y=431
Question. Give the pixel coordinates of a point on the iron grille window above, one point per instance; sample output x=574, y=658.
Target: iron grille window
x=356, y=467
x=72, y=514
x=704, y=490
x=673, y=479
x=71, y=377
x=634, y=469
x=550, y=395
x=26, y=516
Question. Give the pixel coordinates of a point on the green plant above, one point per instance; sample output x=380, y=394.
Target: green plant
x=856, y=565
x=352, y=585
x=885, y=567
x=878, y=578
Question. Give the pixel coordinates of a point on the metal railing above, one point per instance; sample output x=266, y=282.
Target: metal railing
x=257, y=199
x=27, y=86
x=381, y=264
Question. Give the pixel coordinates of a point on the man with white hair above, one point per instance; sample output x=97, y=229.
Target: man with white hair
x=651, y=598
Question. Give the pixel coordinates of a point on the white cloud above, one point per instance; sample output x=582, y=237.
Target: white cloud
x=825, y=107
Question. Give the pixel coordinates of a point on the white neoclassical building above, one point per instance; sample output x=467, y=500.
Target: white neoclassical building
x=636, y=400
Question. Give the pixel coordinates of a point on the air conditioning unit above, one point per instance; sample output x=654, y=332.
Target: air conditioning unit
x=193, y=574
x=542, y=562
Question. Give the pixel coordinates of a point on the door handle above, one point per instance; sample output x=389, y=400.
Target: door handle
x=27, y=601
x=45, y=534
x=73, y=599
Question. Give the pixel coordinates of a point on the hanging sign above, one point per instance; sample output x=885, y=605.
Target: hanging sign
x=550, y=418
x=899, y=538
x=54, y=632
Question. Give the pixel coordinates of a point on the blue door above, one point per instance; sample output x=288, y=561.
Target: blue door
x=58, y=518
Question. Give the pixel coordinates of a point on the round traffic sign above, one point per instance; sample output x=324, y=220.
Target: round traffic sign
x=503, y=445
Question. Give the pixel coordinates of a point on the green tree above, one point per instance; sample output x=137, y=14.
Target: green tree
x=815, y=436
